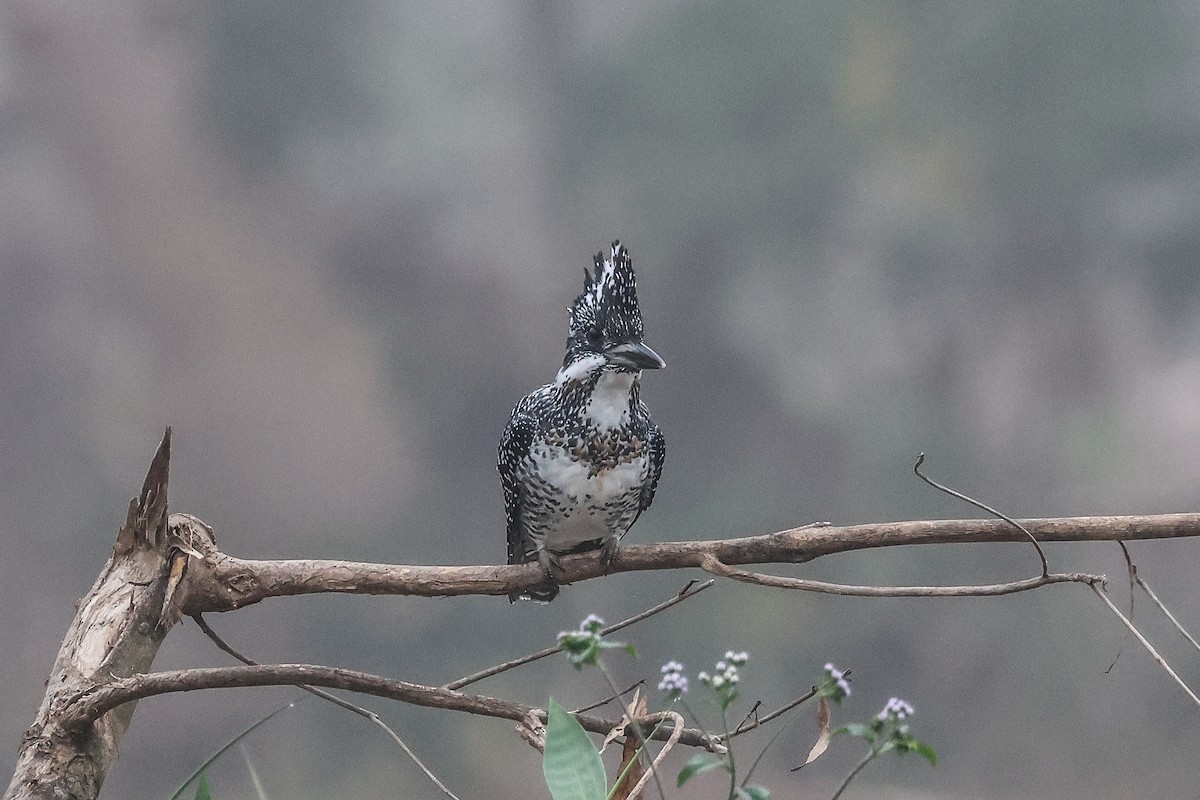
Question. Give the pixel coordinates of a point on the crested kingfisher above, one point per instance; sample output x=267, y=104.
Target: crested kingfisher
x=580, y=458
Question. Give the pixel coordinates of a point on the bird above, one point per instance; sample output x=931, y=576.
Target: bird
x=580, y=458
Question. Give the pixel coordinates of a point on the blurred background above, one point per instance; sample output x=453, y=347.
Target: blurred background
x=332, y=244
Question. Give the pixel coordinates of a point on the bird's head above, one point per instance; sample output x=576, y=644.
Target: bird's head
x=606, y=322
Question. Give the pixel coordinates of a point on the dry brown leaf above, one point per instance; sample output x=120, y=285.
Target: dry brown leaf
x=823, y=732
x=629, y=753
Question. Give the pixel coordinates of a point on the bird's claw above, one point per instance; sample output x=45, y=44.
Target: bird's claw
x=550, y=565
x=608, y=553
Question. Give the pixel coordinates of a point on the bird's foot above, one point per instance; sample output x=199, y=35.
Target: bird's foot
x=608, y=552
x=550, y=565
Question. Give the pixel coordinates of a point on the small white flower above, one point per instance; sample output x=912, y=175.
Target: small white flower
x=721, y=666
x=673, y=682
x=738, y=659
x=839, y=678
x=672, y=666
x=704, y=678
x=591, y=621
x=896, y=709
x=718, y=681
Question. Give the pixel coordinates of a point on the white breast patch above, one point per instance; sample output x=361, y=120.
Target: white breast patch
x=608, y=407
x=583, y=514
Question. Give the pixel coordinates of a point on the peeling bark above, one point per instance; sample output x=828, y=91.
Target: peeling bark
x=115, y=634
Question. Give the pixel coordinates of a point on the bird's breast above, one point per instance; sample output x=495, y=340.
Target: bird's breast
x=591, y=475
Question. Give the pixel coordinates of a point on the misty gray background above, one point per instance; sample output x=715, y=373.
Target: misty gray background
x=332, y=244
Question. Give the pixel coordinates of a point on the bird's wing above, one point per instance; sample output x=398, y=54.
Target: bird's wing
x=658, y=453
x=514, y=447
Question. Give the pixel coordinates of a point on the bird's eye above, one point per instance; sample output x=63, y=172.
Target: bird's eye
x=595, y=337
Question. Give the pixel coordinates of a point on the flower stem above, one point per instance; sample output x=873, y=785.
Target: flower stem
x=633, y=725
x=867, y=759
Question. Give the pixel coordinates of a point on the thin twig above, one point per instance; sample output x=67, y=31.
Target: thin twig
x=90, y=705
x=1162, y=662
x=690, y=590
x=1131, y=571
x=751, y=715
x=983, y=507
x=1146, y=588
x=609, y=699
x=714, y=567
x=763, y=720
x=332, y=698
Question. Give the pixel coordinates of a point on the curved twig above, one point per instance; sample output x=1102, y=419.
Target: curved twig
x=942, y=488
x=714, y=567
x=676, y=730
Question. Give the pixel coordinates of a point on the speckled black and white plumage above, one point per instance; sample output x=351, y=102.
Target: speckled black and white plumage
x=580, y=458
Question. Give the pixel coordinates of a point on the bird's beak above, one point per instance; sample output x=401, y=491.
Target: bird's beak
x=634, y=355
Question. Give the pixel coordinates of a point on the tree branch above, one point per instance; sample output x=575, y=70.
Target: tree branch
x=715, y=567
x=116, y=632
x=93, y=704
x=365, y=713
x=691, y=590
x=221, y=582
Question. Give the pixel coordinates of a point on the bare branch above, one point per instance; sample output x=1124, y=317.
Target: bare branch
x=715, y=567
x=366, y=713
x=1146, y=588
x=91, y=705
x=609, y=699
x=690, y=590
x=763, y=720
x=1162, y=662
x=222, y=583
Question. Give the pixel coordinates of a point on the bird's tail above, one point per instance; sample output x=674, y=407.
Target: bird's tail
x=544, y=593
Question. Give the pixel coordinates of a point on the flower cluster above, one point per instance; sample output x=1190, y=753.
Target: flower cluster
x=896, y=709
x=589, y=629
x=583, y=646
x=673, y=682
x=725, y=671
x=838, y=684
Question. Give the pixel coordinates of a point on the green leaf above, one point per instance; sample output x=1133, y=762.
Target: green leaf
x=923, y=749
x=753, y=793
x=701, y=762
x=856, y=729
x=204, y=765
x=572, y=766
x=202, y=790
x=260, y=791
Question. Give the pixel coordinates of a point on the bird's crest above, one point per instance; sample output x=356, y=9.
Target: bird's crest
x=607, y=310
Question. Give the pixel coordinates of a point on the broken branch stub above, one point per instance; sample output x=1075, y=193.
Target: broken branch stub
x=116, y=632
